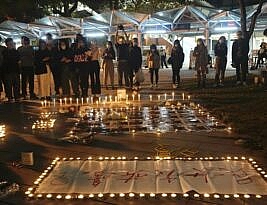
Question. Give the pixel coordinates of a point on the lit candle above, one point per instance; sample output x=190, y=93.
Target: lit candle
x=77, y=101
x=110, y=98
x=127, y=98
x=42, y=103
x=87, y=100
x=45, y=103
x=183, y=96
x=116, y=98
x=165, y=96
x=71, y=101
x=172, y=95
x=189, y=97
x=49, y=104
x=139, y=97
x=133, y=97
x=65, y=101
x=150, y=97
x=106, y=99
x=92, y=100
x=60, y=102
x=54, y=102
x=82, y=101
x=158, y=97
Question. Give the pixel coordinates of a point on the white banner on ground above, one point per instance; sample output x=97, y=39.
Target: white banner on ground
x=161, y=176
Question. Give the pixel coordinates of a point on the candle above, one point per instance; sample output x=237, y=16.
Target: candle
x=45, y=103
x=54, y=102
x=42, y=103
x=92, y=100
x=139, y=97
x=183, y=96
x=60, y=102
x=49, y=104
x=110, y=98
x=133, y=97
x=189, y=97
x=172, y=95
x=106, y=99
x=65, y=101
x=158, y=97
x=150, y=97
x=87, y=100
x=71, y=101
x=77, y=101
x=127, y=98
x=82, y=101
x=165, y=96
x=116, y=98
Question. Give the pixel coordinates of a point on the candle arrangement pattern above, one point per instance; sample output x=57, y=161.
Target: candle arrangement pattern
x=2, y=131
x=45, y=122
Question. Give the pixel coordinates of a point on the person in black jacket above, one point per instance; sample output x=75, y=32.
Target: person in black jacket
x=135, y=61
x=177, y=60
x=240, y=51
x=43, y=71
x=11, y=69
x=82, y=62
x=220, y=51
x=65, y=57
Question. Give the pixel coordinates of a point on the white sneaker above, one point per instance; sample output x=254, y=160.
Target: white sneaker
x=174, y=86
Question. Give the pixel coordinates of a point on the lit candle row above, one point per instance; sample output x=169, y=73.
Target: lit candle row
x=2, y=131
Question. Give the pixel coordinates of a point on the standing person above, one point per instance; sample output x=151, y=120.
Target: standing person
x=201, y=62
x=177, y=60
x=220, y=51
x=135, y=60
x=108, y=57
x=82, y=63
x=11, y=70
x=162, y=53
x=153, y=62
x=65, y=57
x=52, y=47
x=95, y=69
x=240, y=51
x=27, y=67
x=43, y=71
x=2, y=81
x=122, y=47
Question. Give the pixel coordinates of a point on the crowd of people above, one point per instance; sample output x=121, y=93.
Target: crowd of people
x=60, y=65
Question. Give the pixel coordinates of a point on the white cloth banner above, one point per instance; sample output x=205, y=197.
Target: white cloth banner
x=161, y=176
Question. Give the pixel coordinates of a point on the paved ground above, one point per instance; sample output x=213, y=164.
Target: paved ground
x=18, y=118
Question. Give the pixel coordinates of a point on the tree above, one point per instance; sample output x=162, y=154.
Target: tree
x=243, y=19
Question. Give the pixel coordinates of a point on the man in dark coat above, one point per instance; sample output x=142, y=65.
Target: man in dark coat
x=11, y=70
x=135, y=60
x=240, y=51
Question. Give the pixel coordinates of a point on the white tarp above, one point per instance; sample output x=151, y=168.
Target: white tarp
x=161, y=176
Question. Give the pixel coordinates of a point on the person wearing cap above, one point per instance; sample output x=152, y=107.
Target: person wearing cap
x=27, y=67
x=220, y=51
x=11, y=59
x=201, y=62
x=177, y=60
x=240, y=51
x=153, y=63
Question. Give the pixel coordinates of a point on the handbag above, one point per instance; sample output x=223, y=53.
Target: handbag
x=139, y=76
